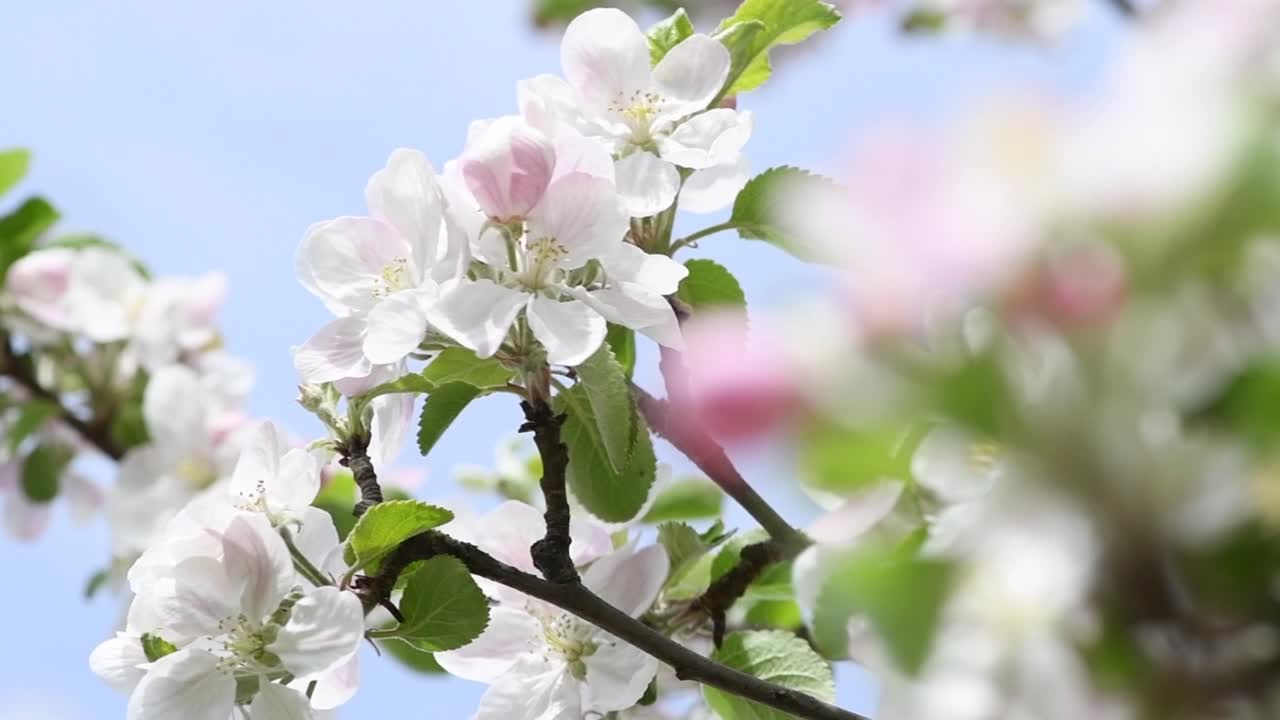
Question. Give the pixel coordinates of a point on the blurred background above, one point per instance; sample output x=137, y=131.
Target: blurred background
x=208, y=136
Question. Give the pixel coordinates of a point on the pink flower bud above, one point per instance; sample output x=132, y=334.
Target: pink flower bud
x=39, y=283
x=1072, y=289
x=507, y=167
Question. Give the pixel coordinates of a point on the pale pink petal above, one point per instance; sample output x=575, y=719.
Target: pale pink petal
x=508, y=167
x=711, y=138
x=629, y=579
x=510, y=634
x=581, y=213
x=334, y=353
x=605, y=56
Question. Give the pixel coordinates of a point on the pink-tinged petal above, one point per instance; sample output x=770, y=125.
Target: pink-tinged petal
x=120, y=662
x=605, y=56
x=508, y=167
x=259, y=462
x=638, y=308
x=570, y=331
x=396, y=326
x=335, y=687
x=656, y=273
x=341, y=261
x=26, y=520
x=509, y=635
x=690, y=75
x=711, y=138
x=849, y=522
x=617, y=675
x=581, y=213
x=647, y=184
x=186, y=684
x=590, y=540
x=715, y=188
x=39, y=282
x=465, y=213
x=255, y=557
x=405, y=195
x=323, y=632
x=629, y=579
x=378, y=374
x=278, y=702
x=549, y=104
x=536, y=688
x=508, y=530
x=579, y=154
x=334, y=353
x=477, y=314
x=736, y=391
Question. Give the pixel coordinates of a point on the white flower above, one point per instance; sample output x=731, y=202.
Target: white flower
x=273, y=478
x=178, y=317
x=94, y=291
x=651, y=119
x=378, y=274
x=543, y=663
x=226, y=596
x=566, y=268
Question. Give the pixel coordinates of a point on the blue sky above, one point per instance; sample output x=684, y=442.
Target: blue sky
x=209, y=135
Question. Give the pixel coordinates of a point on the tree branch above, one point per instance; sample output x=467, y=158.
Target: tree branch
x=355, y=455
x=551, y=553
x=19, y=369
x=1125, y=7
x=712, y=460
x=727, y=588
x=577, y=599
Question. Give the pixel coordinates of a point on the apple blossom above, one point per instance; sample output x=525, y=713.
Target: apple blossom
x=92, y=291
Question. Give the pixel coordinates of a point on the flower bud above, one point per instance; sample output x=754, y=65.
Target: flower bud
x=39, y=283
x=507, y=167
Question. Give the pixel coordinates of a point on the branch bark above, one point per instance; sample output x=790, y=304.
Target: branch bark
x=1126, y=8
x=355, y=456
x=551, y=553
x=727, y=588
x=577, y=599
x=96, y=434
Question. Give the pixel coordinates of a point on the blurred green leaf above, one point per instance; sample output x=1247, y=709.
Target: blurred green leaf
x=776, y=656
x=31, y=418
x=20, y=229
x=843, y=460
x=14, y=163
x=780, y=614
x=691, y=498
x=128, y=423
x=1249, y=405
x=757, y=211
x=338, y=498
x=42, y=472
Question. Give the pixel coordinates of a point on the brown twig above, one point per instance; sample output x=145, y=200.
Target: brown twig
x=551, y=553
x=355, y=455
x=727, y=588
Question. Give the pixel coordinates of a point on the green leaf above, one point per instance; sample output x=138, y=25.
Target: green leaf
x=612, y=496
x=459, y=365
x=96, y=582
x=757, y=209
x=902, y=596
x=385, y=525
x=608, y=393
x=691, y=498
x=442, y=407
x=20, y=229
x=129, y=424
x=338, y=497
x=622, y=341
x=156, y=647
x=80, y=241
x=782, y=614
x=741, y=39
x=411, y=657
x=924, y=21
x=786, y=22
x=33, y=416
x=691, y=555
x=443, y=607
x=42, y=472
x=776, y=656
x=13, y=167
x=1249, y=404
x=710, y=285
x=845, y=460
x=974, y=393
x=668, y=33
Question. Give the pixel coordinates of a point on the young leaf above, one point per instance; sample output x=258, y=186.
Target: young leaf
x=691, y=498
x=443, y=607
x=710, y=285
x=20, y=229
x=756, y=210
x=776, y=656
x=96, y=582
x=843, y=460
x=622, y=341
x=155, y=647
x=608, y=393
x=42, y=472
x=612, y=496
x=13, y=167
x=459, y=365
x=442, y=407
x=786, y=22
x=691, y=554
x=33, y=416
x=902, y=596
x=388, y=524
x=668, y=33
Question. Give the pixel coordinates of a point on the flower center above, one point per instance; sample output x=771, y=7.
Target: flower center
x=244, y=646
x=198, y=472
x=542, y=259
x=572, y=640
x=638, y=111
x=393, y=278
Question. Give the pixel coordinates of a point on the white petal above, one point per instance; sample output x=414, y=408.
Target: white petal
x=120, y=662
x=638, y=308
x=715, y=187
x=174, y=406
x=548, y=103
x=254, y=554
x=335, y=687
x=945, y=463
x=341, y=261
x=392, y=417
x=711, y=138
x=857, y=515
x=405, y=195
x=478, y=314
x=277, y=702
x=25, y=520
x=510, y=634
x=323, y=632
x=334, y=353
x=590, y=539
x=185, y=684
x=534, y=689
x=617, y=675
x=578, y=154
x=627, y=579
x=259, y=460
x=83, y=496
x=581, y=212
x=317, y=538
x=605, y=55
x=657, y=273
x=396, y=326
x=296, y=483
x=508, y=530
x=647, y=184
x=691, y=74
x=571, y=331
